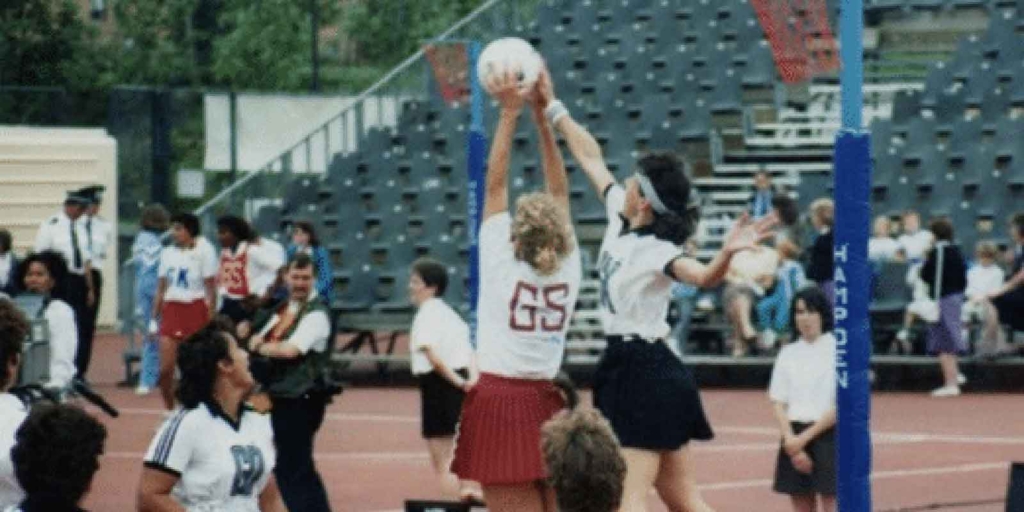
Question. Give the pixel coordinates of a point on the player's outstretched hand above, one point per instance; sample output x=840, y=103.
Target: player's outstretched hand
x=746, y=234
x=543, y=91
x=505, y=87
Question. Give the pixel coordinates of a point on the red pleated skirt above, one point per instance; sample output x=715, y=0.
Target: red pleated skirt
x=498, y=440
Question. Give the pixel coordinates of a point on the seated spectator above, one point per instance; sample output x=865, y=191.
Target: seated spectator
x=773, y=310
x=14, y=329
x=1007, y=302
x=304, y=240
x=946, y=280
x=803, y=394
x=882, y=246
x=42, y=273
x=984, y=276
x=214, y=453
x=584, y=465
x=922, y=306
x=761, y=199
x=8, y=265
x=56, y=454
x=788, y=213
x=751, y=274
x=820, y=267
x=914, y=241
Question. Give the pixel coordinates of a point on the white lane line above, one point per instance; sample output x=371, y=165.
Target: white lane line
x=382, y=418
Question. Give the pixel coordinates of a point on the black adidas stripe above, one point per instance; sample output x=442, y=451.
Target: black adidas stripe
x=163, y=450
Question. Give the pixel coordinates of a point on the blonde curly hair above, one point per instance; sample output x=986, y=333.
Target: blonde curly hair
x=542, y=232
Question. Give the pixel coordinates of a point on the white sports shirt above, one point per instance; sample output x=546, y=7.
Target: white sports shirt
x=635, y=290
x=12, y=414
x=222, y=467
x=438, y=326
x=63, y=342
x=522, y=316
x=186, y=269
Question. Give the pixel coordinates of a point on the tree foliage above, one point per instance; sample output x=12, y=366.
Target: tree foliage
x=386, y=31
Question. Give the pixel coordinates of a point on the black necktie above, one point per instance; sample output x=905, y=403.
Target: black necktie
x=74, y=247
x=88, y=231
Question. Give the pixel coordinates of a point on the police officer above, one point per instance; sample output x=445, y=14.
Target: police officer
x=65, y=233
x=295, y=341
x=98, y=233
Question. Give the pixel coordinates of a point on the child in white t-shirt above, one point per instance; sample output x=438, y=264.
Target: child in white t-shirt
x=984, y=277
x=444, y=363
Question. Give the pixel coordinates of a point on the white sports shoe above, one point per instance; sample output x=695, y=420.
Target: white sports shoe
x=961, y=379
x=946, y=392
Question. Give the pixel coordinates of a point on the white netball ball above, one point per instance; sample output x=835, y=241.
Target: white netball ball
x=508, y=51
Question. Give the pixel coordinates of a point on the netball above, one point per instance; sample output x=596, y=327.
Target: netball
x=510, y=50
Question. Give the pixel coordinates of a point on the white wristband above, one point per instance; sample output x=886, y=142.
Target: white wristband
x=555, y=111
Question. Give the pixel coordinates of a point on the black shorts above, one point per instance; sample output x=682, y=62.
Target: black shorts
x=649, y=396
x=441, y=404
x=822, y=480
x=235, y=310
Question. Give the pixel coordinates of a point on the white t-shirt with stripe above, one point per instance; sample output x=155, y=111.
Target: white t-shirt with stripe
x=186, y=270
x=522, y=316
x=222, y=466
x=635, y=290
x=437, y=326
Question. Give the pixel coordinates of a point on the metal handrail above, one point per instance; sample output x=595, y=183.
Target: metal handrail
x=357, y=102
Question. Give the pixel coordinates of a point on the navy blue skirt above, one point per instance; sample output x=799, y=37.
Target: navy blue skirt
x=649, y=396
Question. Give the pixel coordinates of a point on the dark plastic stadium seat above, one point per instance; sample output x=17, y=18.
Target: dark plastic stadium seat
x=891, y=293
x=356, y=291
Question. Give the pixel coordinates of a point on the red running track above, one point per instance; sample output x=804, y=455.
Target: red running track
x=954, y=451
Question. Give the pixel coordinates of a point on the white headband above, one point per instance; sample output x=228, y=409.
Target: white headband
x=651, y=195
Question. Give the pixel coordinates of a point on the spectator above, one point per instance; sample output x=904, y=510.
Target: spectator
x=215, y=453
x=1006, y=303
x=65, y=233
x=751, y=274
x=186, y=296
x=774, y=309
x=984, y=276
x=56, y=454
x=820, y=267
x=304, y=240
x=444, y=363
x=42, y=273
x=788, y=213
x=914, y=241
x=146, y=252
x=269, y=270
x=583, y=461
x=685, y=297
x=14, y=329
x=761, y=199
x=945, y=273
x=922, y=305
x=882, y=246
x=295, y=341
x=8, y=265
x=803, y=393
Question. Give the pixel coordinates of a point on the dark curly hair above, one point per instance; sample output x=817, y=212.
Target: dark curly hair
x=14, y=328
x=197, y=360
x=584, y=465
x=56, y=454
x=237, y=226
x=815, y=301
x=55, y=265
x=668, y=176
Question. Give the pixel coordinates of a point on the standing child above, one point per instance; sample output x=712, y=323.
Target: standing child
x=773, y=311
x=803, y=393
x=444, y=364
x=146, y=254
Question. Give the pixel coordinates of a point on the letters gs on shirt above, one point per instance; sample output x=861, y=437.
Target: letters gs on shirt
x=539, y=309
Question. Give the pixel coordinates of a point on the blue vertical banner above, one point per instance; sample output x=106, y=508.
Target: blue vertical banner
x=852, y=165
x=476, y=166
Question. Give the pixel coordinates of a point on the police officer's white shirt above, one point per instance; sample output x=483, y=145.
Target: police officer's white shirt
x=55, y=234
x=6, y=266
x=635, y=290
x=312, y=331
x=12, y=414
x=186, y=269
x=522, y=316
x=100, y=239
x=63, y=342
x=437, y=326
x=223, y=467
x=804, y=378
x=265, y=258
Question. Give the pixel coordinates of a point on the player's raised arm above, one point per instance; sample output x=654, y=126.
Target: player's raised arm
x=504, y=86
x=582, y=145
x=551, y=158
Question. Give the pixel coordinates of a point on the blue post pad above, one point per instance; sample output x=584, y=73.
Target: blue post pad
x=853, y=330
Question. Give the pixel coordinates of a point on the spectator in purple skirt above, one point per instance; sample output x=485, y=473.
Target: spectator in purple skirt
x=947, y=281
